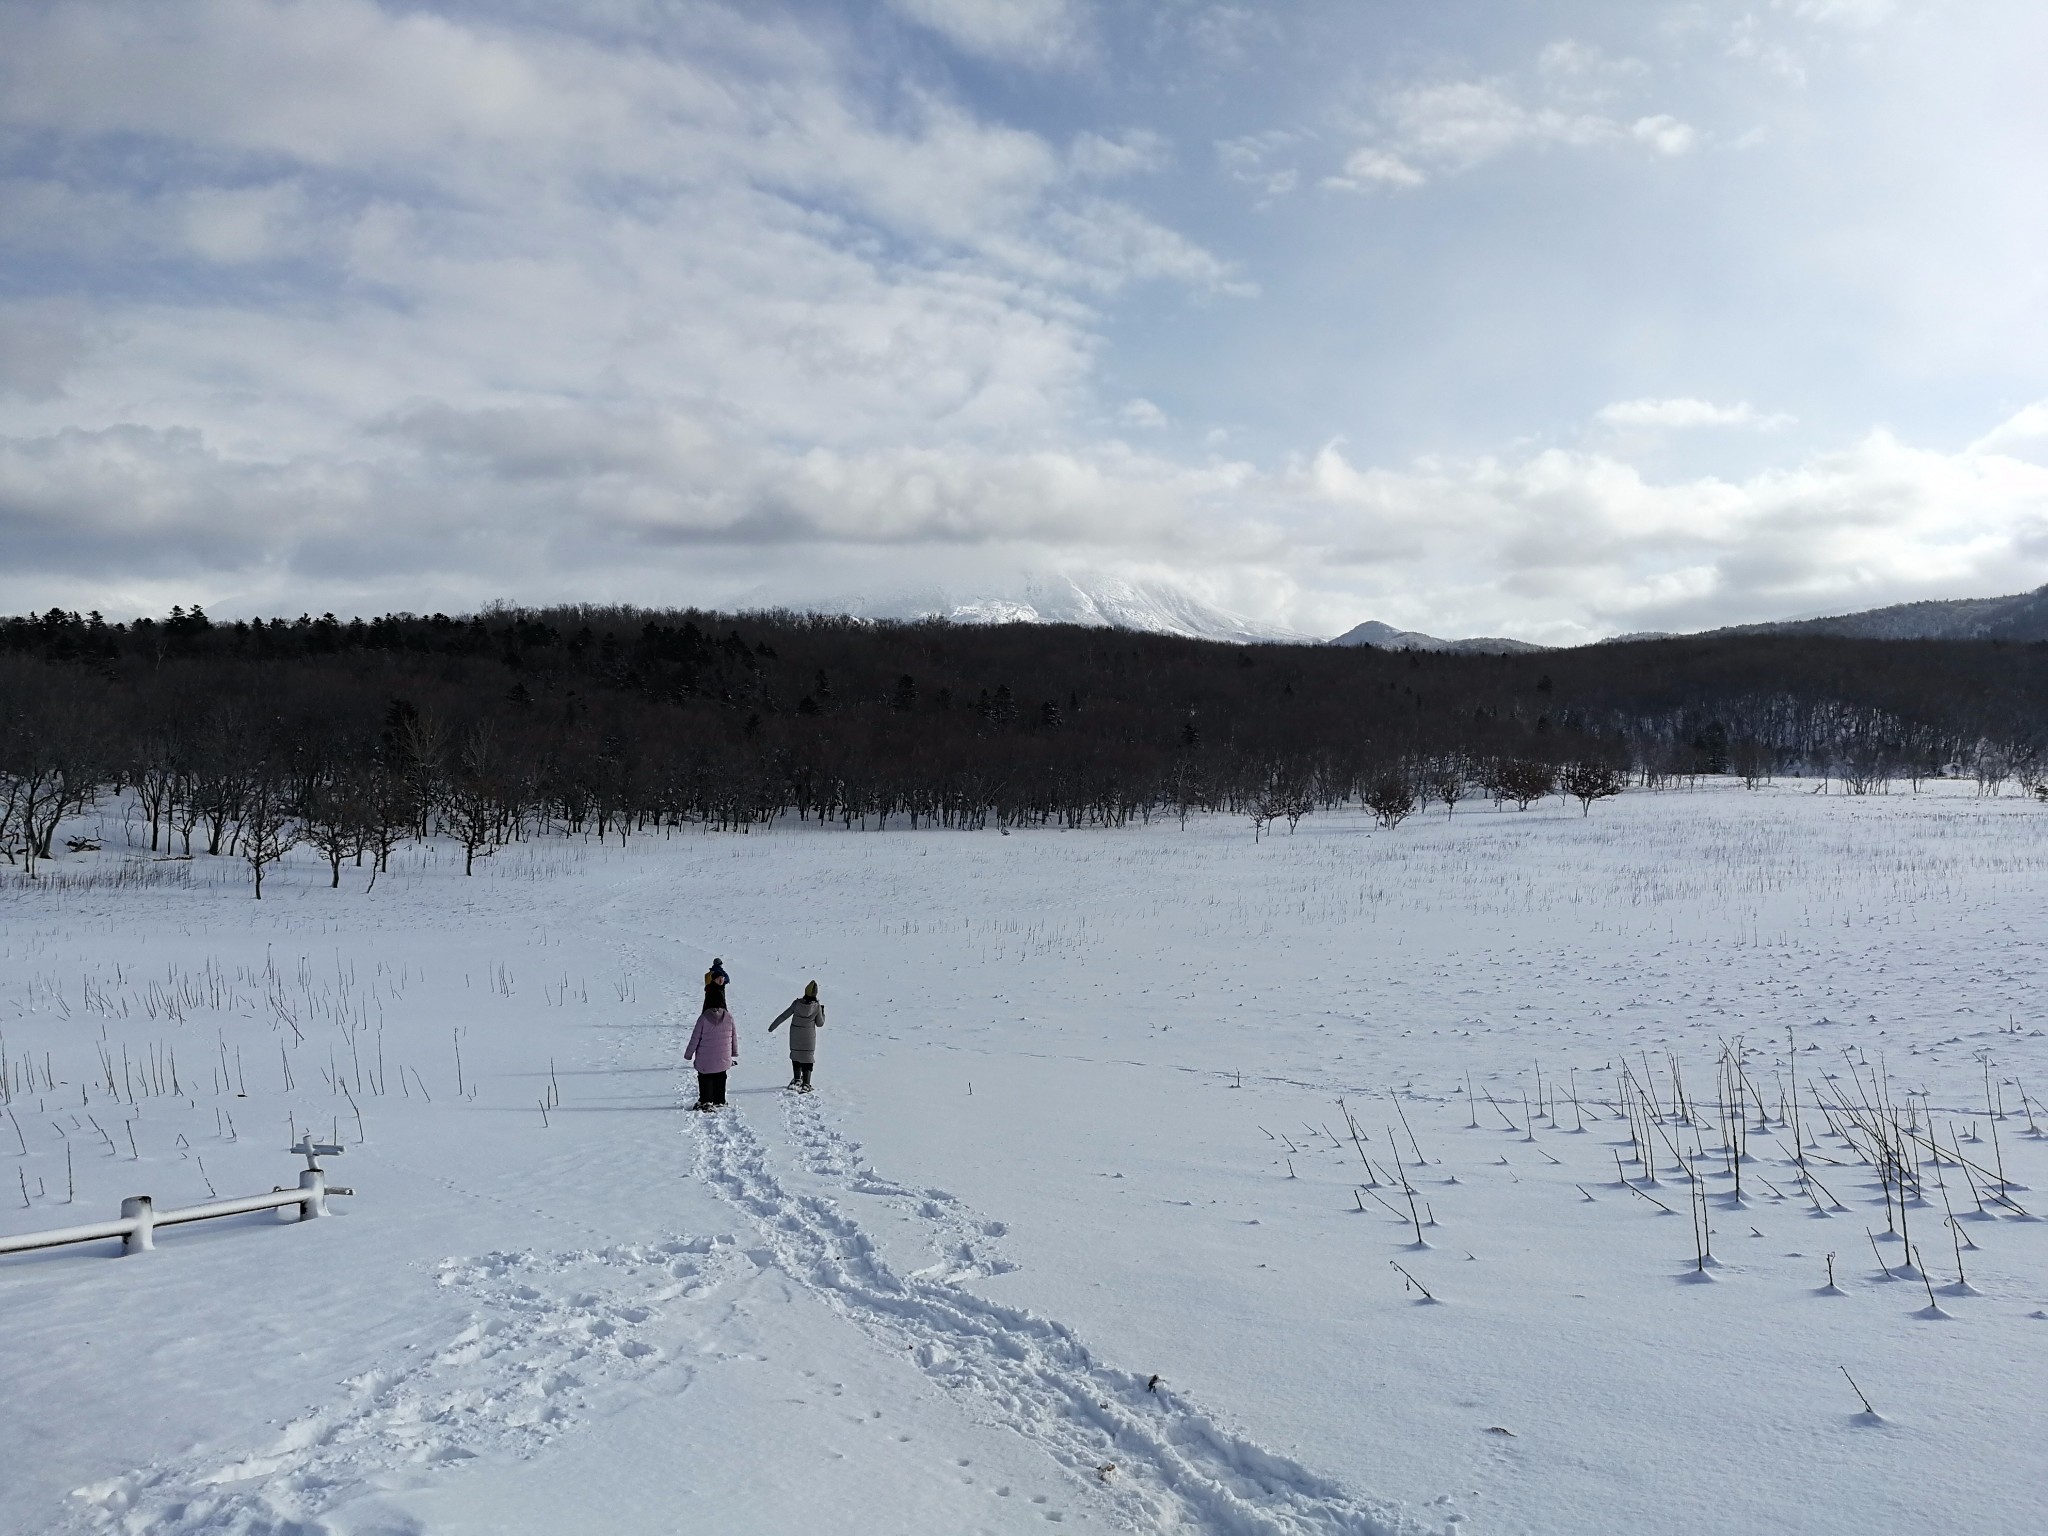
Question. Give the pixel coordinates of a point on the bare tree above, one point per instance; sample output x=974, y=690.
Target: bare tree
x=10, y=814
x=185, y=811
x=1449, y=782
x=155, y=772
x=42, y=799
x=267, y=831
x=1179, y=784
x=1587, y=782
x=1866, y=769
x=1524, y=781
x=422, y=746
x=390, y=812
x=47, y=755
x=336, y=819
x=1298, y=801
x=1993, y=766
x=1751, y=761
x=2029, y=768
x=221, y=778
x=1391, y=798
x=470, y=807
x=1280, y=793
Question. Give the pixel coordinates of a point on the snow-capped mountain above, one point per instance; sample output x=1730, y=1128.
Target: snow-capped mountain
x=1388, y=638
x=1094, y=599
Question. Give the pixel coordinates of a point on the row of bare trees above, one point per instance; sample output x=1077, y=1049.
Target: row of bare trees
x=353, y=738
x=226, y=788
x=1403, y=791
x=482, y=794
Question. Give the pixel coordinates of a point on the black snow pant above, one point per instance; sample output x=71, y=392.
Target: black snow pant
x=799, y=1074
x=710, y=1089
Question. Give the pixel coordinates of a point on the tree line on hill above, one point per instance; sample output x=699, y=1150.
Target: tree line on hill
x=251, y=737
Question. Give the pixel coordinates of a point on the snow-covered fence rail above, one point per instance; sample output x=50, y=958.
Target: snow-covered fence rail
x=139, y=1219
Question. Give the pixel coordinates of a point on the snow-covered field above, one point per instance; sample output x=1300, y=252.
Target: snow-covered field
x=1077, y=1125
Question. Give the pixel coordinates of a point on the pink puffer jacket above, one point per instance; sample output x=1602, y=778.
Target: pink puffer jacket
x=715, y=1042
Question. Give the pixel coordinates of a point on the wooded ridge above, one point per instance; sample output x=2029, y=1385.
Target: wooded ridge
x=491, y=725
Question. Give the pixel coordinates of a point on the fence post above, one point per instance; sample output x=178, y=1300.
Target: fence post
x=314, y=1183
x=141, y=1238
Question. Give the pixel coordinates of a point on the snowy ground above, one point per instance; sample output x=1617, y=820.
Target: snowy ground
x=1077, y=1125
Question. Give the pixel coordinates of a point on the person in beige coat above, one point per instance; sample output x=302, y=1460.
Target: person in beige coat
x=806, y=1017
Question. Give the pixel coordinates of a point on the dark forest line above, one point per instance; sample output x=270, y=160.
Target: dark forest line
x=352, y=736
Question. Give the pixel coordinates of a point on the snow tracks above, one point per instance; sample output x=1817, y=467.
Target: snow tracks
x=966, y=1245
x=1157, y=1462
x=546, y=1337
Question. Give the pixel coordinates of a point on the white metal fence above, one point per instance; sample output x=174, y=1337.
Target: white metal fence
x=139, y=1219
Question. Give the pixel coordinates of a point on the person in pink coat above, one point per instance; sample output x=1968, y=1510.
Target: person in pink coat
x=714, y=1050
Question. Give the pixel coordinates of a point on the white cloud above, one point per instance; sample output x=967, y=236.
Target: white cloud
x=408, y=307
x=446, y=506
x=1111, y=243
x=1443, y=128
x=1685, y=412
x=40, y=343
x=1107, y=157
x=1262, y=160
x=1855, y=13
x=1581, y=65
x=1465, y=122
x=1369, y=166
x=295, y=78
x=1565, y=546
x=243, y=224
x=490, y=115
x=530, y=215
x=403, y=303
x=552, y=501
x=1225, y=35
x=1035, y=32
x=1749, y=41
x=2023, y=435
x=1663, y=133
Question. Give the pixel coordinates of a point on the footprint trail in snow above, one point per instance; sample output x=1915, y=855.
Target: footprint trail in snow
x=1174, y=1468
x=966, y=1245
x=545, y=1335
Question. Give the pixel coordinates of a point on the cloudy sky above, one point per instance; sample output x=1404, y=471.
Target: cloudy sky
x=1556, y=319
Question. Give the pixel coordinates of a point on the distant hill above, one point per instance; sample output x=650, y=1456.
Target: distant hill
x=2023, y=616
x=1387, y=638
